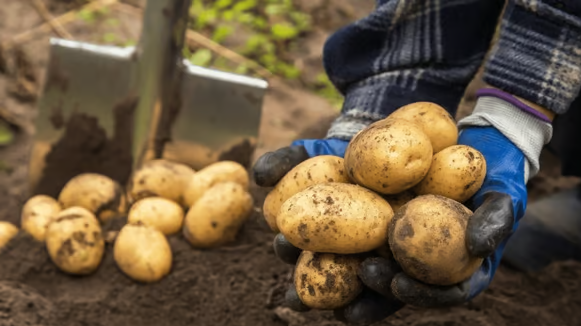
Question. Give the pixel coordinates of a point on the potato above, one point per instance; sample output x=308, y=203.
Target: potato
x=74, y=241
x=427, y=238
x=163, y=214
x=160, y=178
x=142, y=252
x=37, y=213
x=398, y=200
x=319, y=169
x=99, y=194
x=218, y=215
x=213, y=174
x=389, y=157
x=434, y=121
x=337, y=218
x=7, y=232
x=327, y=281
x=457, y=172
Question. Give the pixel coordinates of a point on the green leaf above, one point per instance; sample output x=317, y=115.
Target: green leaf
x=201, y=57
x=221, y=33
x=244, y=5
x=284, y=31
x=87, y=15
x=109, y=37
x=221, y=4
x=6, y=134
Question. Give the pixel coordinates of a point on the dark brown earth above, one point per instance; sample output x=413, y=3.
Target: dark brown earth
x=243, y=283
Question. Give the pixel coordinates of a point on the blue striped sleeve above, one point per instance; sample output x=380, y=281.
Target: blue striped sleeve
x=407, y=51
x=538, y=54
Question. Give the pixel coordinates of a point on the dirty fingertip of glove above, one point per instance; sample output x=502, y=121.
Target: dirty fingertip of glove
x=377, y=273
x=490, y=224
x=370, y=307
x=293, y=301
x=285, y=251
x=272, y=166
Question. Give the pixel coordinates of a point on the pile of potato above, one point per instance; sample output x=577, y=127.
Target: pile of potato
x=397, y=193
x=162, y=198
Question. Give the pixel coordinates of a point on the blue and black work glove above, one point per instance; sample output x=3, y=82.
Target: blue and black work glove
x=510, y=136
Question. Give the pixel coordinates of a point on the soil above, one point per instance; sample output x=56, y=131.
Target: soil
x=242, y=283
x=85, y=147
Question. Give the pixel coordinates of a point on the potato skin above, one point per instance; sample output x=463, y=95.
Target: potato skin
x=37, y=213
x=97, y=193
x=326, y=281
x=427, y=238
x=337, y=218
x=160, y=178
x=161, y=213
x=318, y=169
x=142, y=252
x=457, y=172
x=74, y=241
x=213, y=174
x=7, y=232
x=218, y=215
x=434, y=121
x=389, y=157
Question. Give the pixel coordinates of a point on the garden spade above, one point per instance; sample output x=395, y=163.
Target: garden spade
x=107, y=109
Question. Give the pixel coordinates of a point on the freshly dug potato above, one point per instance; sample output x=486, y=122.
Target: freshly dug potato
x=74, y=241
x=389, y=157
x=457, y=172
x=434, y=120
x=337, y=218
x=142, y=252
x=327, y=281
x=37, y=213
x=427, y=238
x=161, y=213
x=319, y=169
x=218, y=215
x=99, y=194
x=398, y=200
x=213, y=174
x=7, y=232
x=160, y=178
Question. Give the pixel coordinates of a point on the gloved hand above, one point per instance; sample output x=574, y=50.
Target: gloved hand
x=272, y=166
x=497, y=206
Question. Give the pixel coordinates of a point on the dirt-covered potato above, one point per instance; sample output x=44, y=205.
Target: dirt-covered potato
x=337, y=218
x=37, y=213
x=213, y=174
x=74, y=241
x=161, y=213
x=398, y=200
x=389, y=157
x=218, y=215
x=434, y=120
x=160, y=178
x=99, y=194
x=327, y=281
x=142, y=252
x=319, y=169
x=457, y=172
x=427, y=238
x=7, y=232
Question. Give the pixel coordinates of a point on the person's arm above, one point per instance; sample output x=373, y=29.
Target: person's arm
x=406, y=52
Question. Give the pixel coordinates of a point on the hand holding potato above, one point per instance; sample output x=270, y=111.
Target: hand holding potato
x=498, y=204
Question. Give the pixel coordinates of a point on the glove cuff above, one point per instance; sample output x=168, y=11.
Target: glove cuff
x=524, y=130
